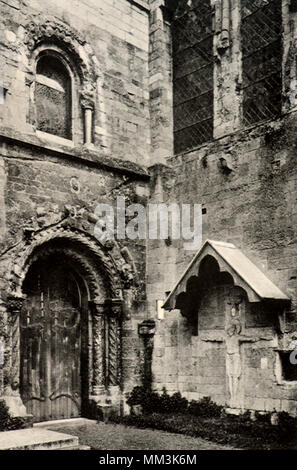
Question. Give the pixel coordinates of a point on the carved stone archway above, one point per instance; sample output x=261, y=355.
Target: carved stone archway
x=103, y=270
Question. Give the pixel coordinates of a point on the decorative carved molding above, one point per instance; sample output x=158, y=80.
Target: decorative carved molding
x=48, y=29
x=115, y=307
x=115, y=310
x=102, y=269
x=97, y=306
x=98, y=341
x=75, y=224
x=39, y=30
x=103, y=261
x=113, y=350
x=147, y=328
x=223, y=41
x=223, y=21
x=14, y=304
x=46, y=216
x=119, y=351
x=14, y=307
x=88, y=96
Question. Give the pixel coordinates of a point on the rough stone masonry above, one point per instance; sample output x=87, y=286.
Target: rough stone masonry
x=159, y=101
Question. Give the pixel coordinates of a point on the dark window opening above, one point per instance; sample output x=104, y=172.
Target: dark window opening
x=53, y=97
x=193, y=68
x=289, y=370
x=261, y=36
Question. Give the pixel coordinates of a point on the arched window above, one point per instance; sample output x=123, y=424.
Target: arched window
x=53, y=96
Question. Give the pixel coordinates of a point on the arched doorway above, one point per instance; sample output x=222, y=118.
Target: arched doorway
x=54, y=341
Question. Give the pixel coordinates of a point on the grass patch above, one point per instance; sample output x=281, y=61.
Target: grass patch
x=207, y=420
x=229, y=430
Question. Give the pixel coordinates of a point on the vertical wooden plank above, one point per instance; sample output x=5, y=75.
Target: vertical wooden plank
x=51, y=359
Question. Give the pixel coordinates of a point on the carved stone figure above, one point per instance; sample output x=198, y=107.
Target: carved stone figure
x=223, y=41
x=233, y=359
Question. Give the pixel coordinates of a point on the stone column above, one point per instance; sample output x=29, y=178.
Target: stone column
x=12, y=389
x=114, y=342
x=98, y=333
x=146, y=331
x=88, y=125
x=160, y=83
x=228, y=67
x=87, y=95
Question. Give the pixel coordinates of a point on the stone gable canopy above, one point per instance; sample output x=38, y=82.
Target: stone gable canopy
x=232, y=262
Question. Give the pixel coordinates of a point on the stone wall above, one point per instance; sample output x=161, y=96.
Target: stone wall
x=116, y=37
x=254, y=208
x=245, y=180
x=45, y=180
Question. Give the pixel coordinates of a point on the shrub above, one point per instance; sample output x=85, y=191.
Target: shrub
x=165, y=403
x=263, y=417
x=206, y=419
x=174, y=403
x=153, y=402
x=4, y=416
x=205, y=408
x=146, y=398
x=9, y=423
x=137, y=396
x=286, y=421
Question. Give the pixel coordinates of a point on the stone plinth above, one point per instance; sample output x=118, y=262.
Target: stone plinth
x=37, y=439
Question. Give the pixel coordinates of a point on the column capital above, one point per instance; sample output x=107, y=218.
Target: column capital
x=14, y=303
x=87, y=103
x=97, y=306
x=88, y=96
x=147, y=328
x=115, y=307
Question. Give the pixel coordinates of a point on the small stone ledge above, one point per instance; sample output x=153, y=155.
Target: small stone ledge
x=90, y=157
x=140, y=4
x=37, y=439
x=239, y=136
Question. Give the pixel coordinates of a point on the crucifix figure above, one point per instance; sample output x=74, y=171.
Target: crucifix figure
x=233, y=338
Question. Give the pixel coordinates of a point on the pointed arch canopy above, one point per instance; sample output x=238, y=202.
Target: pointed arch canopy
x=230, y=260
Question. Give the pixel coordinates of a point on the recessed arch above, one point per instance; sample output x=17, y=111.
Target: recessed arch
x=46, y=34
x=96, y=277
x=44, y=31
x=83, y=247
x=81, y=262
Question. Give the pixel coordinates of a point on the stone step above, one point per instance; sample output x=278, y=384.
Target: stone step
x=37, y=439
x=55, y=424
x=80, y=447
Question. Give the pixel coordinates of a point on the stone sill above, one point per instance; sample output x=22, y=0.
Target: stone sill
x=238, y=134
x=82, y=154
x=54, y=139
x=288, y=384
x=140, y=4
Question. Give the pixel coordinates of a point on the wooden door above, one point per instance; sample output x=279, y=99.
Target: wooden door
x=51, y=343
